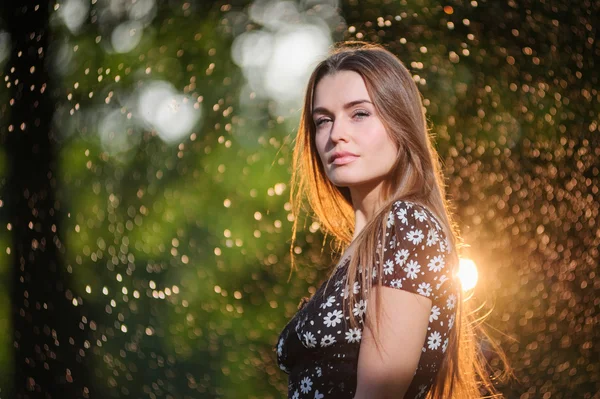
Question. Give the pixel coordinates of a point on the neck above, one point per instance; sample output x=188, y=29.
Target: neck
x=365, y=201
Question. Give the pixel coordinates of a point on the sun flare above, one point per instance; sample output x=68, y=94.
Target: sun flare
x=467, y=273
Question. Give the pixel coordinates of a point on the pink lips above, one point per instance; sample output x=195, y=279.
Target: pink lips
x=342, y=158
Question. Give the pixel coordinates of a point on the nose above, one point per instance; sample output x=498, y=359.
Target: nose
x=339, y=131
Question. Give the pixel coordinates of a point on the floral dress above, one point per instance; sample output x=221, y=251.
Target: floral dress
x=318, y=348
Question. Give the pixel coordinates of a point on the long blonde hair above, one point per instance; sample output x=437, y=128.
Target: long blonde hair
x=416, y=177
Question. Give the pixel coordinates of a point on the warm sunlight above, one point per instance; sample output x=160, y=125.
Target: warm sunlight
x=467, y=273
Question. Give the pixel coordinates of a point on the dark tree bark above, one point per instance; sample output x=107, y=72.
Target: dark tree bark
x=47, y=338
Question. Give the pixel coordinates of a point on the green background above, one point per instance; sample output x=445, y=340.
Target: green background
x=178, y=249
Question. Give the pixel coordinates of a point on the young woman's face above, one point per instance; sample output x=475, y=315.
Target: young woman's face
x=355, y=149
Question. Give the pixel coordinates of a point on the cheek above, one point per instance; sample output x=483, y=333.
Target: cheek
x=382, y=146
x=320, y=145
x=378, y=139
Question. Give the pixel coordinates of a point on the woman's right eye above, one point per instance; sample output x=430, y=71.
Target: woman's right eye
x=319, y=122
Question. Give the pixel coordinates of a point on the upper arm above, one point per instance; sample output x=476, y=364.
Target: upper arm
x=389, y=368
x=415, y=281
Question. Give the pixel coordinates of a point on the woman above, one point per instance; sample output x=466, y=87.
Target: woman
x=389, y=322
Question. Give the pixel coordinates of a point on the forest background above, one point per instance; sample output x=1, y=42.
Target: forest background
x=145, y=221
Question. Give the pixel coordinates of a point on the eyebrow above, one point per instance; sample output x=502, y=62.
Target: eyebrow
x=351, y=104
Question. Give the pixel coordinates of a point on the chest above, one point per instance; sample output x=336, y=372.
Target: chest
x=320, y=326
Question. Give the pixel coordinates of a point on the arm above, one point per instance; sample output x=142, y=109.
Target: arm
x=413, y=276
x=388, y=371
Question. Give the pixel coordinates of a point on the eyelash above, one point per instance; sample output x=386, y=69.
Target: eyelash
x=361, y=113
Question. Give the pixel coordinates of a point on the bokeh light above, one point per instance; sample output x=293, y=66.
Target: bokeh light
x=467, y=274
x=163, y=205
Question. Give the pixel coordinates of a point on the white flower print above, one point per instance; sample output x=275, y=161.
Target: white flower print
x=388, y=268
x=451, y=302
x=442, y=279
x=327, y=340
x=330, y=301
x=412, y=269
x=401, y=256
x=424, y=289
x=445, y=345
x=442, y=246
x=374, y=272
x=353, y=335
x=344, y=292
x=390, y=220
x=309, y=339
x=280, y=347
x=422, y=391
x=420, y=216
x=451, y=322
x=355, y=288
x=434, y=341
x=435, y=312
x=415, y=236
x=281, y=366
x=436, y=263
x=393, y=242
x=319, y=371
x=396, y=283
x=306, y=385
x=319, y=395
x=360, y=308
x=402, y=215
x=296, y=395
x=432, y=237
x=333, y=318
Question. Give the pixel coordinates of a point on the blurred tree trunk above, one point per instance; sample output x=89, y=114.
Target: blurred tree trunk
x=48, y=344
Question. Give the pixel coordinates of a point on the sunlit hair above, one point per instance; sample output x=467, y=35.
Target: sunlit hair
x=416, y=177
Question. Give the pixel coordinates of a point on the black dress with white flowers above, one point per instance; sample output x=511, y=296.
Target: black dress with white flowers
x=319, y=350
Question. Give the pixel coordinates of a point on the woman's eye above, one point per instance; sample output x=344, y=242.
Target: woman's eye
x=359, y=115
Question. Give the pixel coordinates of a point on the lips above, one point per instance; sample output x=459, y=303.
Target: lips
x=342, y=157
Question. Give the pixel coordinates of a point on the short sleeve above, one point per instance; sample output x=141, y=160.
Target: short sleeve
x=416, y=252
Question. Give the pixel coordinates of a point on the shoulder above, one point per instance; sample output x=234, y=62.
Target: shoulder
x=414, y=224
x=415, y=214
x=416, y=252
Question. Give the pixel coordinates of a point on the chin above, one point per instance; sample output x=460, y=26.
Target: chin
x=346, y=176
x=342, y=182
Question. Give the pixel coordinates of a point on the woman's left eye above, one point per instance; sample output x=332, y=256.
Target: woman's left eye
x=361, y=114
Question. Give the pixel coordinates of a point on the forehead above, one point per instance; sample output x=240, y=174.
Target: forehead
x=335, y=90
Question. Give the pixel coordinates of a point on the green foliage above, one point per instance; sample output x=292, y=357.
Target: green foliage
x=180, y=249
